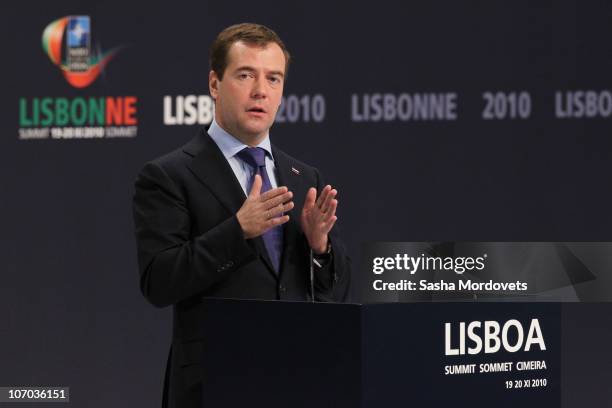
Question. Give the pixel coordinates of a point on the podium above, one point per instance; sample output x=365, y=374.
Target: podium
x=298, y=354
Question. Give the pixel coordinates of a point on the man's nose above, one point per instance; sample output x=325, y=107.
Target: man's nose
x=259, y=89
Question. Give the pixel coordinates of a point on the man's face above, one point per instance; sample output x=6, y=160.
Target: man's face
x=248, y=97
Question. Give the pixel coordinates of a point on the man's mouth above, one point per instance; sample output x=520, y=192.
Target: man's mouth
x=256, y=110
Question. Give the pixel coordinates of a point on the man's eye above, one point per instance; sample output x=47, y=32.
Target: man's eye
x=274, y=80
x=243, y=76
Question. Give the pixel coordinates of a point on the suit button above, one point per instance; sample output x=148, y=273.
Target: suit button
x=230, y=264
x=282, y=288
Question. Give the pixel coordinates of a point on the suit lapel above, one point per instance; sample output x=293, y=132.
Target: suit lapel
x=289, y=175
x=211, y=168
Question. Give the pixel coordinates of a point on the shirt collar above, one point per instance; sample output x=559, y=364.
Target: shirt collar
x=230, y=145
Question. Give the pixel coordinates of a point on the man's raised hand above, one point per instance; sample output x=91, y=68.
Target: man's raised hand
x=259, y=213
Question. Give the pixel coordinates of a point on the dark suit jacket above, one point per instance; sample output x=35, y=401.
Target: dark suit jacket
x=191, y=246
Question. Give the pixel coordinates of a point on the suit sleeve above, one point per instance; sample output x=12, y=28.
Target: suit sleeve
x=332, y=282
x=173, y=265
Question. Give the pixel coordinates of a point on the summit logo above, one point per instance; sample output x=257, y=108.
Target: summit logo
x=73, y=56
x=67, y=42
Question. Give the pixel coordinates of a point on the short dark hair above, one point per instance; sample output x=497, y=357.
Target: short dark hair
x=249, y=33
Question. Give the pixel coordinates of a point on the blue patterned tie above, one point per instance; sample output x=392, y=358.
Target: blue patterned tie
x=273, y=238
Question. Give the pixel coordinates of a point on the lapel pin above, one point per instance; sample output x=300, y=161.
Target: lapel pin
x=296, y=171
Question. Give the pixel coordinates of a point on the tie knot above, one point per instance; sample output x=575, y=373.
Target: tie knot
x=255, y=156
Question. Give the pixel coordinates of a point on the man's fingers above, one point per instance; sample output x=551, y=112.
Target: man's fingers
x=323, y=195
x=328, y=223
x=279, y=209
x=331, y=211
x=273, y=193
x=310, y=198
x=330, y=196
x=256, y=188
x=278, y=200
x=276, y=221
x=331, y=223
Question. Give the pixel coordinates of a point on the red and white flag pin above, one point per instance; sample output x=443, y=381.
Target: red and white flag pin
x=296, y=171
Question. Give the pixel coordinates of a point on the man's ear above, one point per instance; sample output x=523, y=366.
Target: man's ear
x=213, y=84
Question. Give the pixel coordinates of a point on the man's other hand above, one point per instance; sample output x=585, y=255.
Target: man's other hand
x=318, y=217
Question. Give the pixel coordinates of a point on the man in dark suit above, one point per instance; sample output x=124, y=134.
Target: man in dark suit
x=230, y=215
